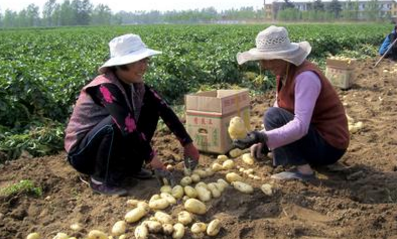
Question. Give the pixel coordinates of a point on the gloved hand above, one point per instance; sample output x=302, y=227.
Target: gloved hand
x=164, y=177
x=259, y=150
x=191, y=157
x=252, y=138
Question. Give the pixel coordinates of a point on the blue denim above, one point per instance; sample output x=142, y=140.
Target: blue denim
x=311, y=149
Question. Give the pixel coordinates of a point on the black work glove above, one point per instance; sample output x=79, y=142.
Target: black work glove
x=164, y=176
x=259, y=151
x=252, y=138
x=190, y=165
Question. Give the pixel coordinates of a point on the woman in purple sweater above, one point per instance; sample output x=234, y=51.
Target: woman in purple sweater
x=109, y=133
x=307, y=125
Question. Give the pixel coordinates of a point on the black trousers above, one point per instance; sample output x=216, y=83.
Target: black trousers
x=108, y=156
x=311, y=149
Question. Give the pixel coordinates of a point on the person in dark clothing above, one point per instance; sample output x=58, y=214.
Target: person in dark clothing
x=109, y=133
x=390, y=38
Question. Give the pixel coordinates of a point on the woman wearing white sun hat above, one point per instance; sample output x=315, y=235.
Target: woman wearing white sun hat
x=109, y=133
x=307, y=125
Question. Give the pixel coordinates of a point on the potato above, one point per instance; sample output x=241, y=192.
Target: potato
x=222, y=184
x=222, y=157
x=143, y=205
x=186, y=181
x=135, y=214
x=119, y=228
x=61, y=235
x=179, y=231
x=242, y=187
x=154, y=197
x=216, y=167
x=96, y=234
x=228, y=164
x=166, y=189
x=247, y=159
x=190, y=192
x=195, y=178
x=195, y=206
x=234, y=153
x=168, y=229
x=171, y=200
x=159, y=204
x=33, y=235
x=203, y=193
x=198, y=227
x=141, y=232
x=200, y=172
x=231, y=177
x=209, y=172
x=185, y=217
x=267, y=189
x=121, y=237
x=153, y=226
x=177, y=192
x=213, y=227
x=75, y=227
x=170, y=167
x=249, y=171
x=215, y=192
x=163, y=217
x=237, y=129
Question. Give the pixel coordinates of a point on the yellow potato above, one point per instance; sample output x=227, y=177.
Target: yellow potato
x=185, y=217
x=243, y=187
x=168, y=229
x=200, y=172
x=171, y=200
x=186, y=181
x=198, y=227
x=202, y=192
x=141, y=232
x=190, y=191
x=247, y=159
x=228, y=164
x=121, y=237
x=222, y=157
x=166, y=189
x=195, y=206
x=135, y=214
x=159, y=204
x=163, y=217
x=153, y=226
x=215, y=192
x=179, y=231
x=177, y=192
x=209, y=172
x=231, y=177
x=213, y=227
x=96, y=234
x=119, y=228
x=61, y=235
x=234, y=153
x=195, y=178
x=33, y=235
x=75, y=227
x=237, y=129
x=222, y=184
x=267, y=189
x=216, y=167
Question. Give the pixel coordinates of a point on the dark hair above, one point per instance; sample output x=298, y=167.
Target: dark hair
x=121, y=67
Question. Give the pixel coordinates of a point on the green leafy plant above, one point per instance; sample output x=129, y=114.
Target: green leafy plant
x=23, y=186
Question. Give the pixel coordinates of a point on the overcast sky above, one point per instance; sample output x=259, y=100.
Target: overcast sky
x=137, y=5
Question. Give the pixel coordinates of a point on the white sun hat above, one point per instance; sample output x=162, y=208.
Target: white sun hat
x=273, y=43
x=126, y=49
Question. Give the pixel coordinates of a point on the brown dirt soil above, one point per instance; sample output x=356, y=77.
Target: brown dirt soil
x=354, y=199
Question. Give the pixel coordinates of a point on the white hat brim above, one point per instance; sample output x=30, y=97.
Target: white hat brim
x=297, y=53
x=127, y=59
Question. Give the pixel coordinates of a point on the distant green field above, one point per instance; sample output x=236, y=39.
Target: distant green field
x=42, y=70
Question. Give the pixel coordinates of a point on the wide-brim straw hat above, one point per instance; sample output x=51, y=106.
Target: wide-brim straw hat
x=274, y=43
x=126, y=49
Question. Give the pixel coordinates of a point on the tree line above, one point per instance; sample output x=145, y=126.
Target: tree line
x=83, y=12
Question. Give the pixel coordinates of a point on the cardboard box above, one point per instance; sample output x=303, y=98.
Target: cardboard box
x=340, y=72
x=208, y=115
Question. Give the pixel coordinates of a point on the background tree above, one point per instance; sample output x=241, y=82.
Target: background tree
x=335, y=7
x=318, y=6
x=33, y=15
x=287, y=4
x=372, y=10
x=101, y=15
x=49, y=12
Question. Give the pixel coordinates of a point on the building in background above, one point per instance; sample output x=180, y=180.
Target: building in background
x=384, y=8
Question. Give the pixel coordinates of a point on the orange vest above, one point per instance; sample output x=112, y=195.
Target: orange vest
x=329, y=116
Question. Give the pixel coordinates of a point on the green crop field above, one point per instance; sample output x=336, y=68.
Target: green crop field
x=42, y=70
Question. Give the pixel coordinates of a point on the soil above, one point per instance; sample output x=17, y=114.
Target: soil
x=355, y=198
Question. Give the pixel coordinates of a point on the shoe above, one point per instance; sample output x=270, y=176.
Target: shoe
x=102, y=188
x=294, y=175
x=143, y=174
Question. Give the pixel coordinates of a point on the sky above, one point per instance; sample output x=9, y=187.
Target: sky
x=147, y=5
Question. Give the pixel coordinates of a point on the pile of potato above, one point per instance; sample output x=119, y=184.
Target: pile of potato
x=354, y=126
x=192, y=193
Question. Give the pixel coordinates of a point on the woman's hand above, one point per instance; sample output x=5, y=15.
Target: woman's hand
x=156, y=163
